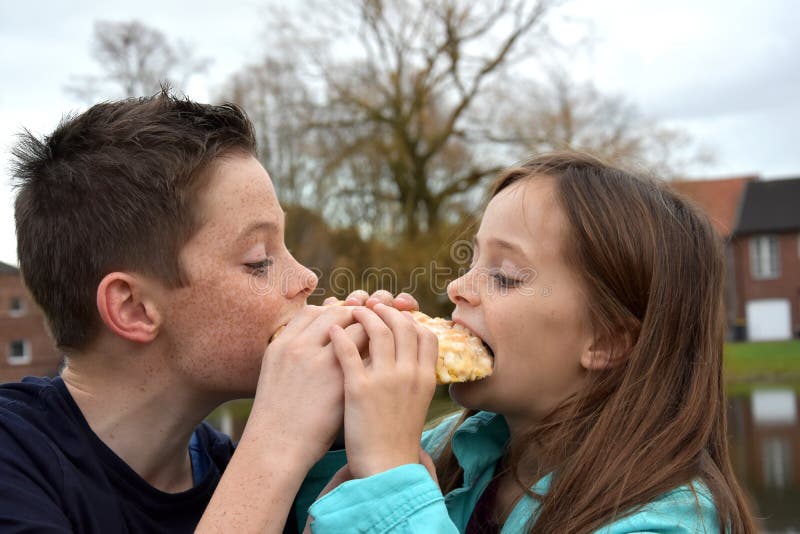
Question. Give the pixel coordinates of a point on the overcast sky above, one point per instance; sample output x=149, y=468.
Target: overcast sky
x=728, y=72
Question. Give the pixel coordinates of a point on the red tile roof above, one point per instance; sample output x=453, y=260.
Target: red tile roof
x=720, y=198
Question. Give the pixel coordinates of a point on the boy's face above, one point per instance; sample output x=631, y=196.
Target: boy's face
x=242, y=283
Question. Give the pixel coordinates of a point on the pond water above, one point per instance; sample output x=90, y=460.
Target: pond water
x=765, y=451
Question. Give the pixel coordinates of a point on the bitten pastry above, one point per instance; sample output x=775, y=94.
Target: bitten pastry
x=463, y=357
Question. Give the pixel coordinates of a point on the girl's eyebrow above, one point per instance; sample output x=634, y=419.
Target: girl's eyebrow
x=502, y=245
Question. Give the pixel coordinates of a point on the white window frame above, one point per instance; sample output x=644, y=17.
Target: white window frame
x=765, y=257
x=19, y=312
x=23, y=359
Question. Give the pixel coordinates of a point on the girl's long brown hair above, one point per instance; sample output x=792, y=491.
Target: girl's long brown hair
x=653, y=269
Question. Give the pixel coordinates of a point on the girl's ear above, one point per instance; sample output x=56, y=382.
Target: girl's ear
x=607, y=352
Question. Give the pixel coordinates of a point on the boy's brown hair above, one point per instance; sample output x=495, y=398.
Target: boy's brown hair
x=114, y=188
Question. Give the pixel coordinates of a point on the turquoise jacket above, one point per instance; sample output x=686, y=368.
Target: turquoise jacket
x=406, y=500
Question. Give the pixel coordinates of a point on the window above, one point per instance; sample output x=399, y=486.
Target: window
x=16, y=307
x=776, y=458
x=19, y=352
x=765, y=257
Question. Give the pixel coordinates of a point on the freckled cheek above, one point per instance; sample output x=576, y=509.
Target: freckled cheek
x=228, y=314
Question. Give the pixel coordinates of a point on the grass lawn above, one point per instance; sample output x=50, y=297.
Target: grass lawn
x=768, y=362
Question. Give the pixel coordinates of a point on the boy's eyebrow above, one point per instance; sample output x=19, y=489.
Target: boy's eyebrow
x=259, y=226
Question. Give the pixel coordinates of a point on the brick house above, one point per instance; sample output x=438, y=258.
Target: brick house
x=27, y=348
x=767, y=256
x=721, y=199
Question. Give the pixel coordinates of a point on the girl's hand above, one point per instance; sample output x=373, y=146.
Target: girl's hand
x=387, y=398
x=299, y=404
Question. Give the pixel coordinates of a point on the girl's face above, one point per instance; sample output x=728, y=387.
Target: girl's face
x=523, y=299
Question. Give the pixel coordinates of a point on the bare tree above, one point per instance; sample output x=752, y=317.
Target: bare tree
x=384, y=88
x=393, y=114
x=278, y=103
x=562, y=114
x=135, y=59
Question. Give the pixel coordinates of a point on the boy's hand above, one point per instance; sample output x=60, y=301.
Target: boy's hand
x=403, y=301
x=387, y=398
x=299, y=400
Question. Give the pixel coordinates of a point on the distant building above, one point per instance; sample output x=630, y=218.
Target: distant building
x=26, y=348
x=767, y=255
x=722, y=199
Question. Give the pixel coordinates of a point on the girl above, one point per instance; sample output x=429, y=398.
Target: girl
x=600, y=295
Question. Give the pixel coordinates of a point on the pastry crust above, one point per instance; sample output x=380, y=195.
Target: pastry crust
x=462, y=355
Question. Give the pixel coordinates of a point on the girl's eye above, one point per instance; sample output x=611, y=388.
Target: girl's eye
x=503, y=281
x=260, y=267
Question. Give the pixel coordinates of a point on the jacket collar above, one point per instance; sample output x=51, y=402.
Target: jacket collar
x=479, y=443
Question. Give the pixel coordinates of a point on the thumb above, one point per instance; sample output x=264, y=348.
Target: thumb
x=347, y=353
x=341, y=476
x=426, y=460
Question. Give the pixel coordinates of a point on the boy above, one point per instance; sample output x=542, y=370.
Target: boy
x=152, y=239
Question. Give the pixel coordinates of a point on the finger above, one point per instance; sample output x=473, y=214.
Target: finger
x=347, y=354
x=428, y=345
x=405, y=302
x=426, y=460
x=380, y=296
x=358, y=336
x=316, y=333
x=381, y=339
x=330, y=301
x=298, y=323
x=341, y=476
x=404, y=332
x=357, y=298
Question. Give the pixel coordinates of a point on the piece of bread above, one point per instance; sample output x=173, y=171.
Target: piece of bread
x=462, y=355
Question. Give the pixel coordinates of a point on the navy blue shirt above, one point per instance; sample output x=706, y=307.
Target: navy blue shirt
x=56, y=475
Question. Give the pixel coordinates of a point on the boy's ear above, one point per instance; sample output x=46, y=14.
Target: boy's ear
x=126, y=307
x=607, y=352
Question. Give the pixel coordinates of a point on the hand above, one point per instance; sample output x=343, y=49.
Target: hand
x=344, y=474
x=299, y=400
x=387, y=398
x=403, y=301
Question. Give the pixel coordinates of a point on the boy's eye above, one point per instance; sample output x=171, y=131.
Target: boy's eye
x=260, y=267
